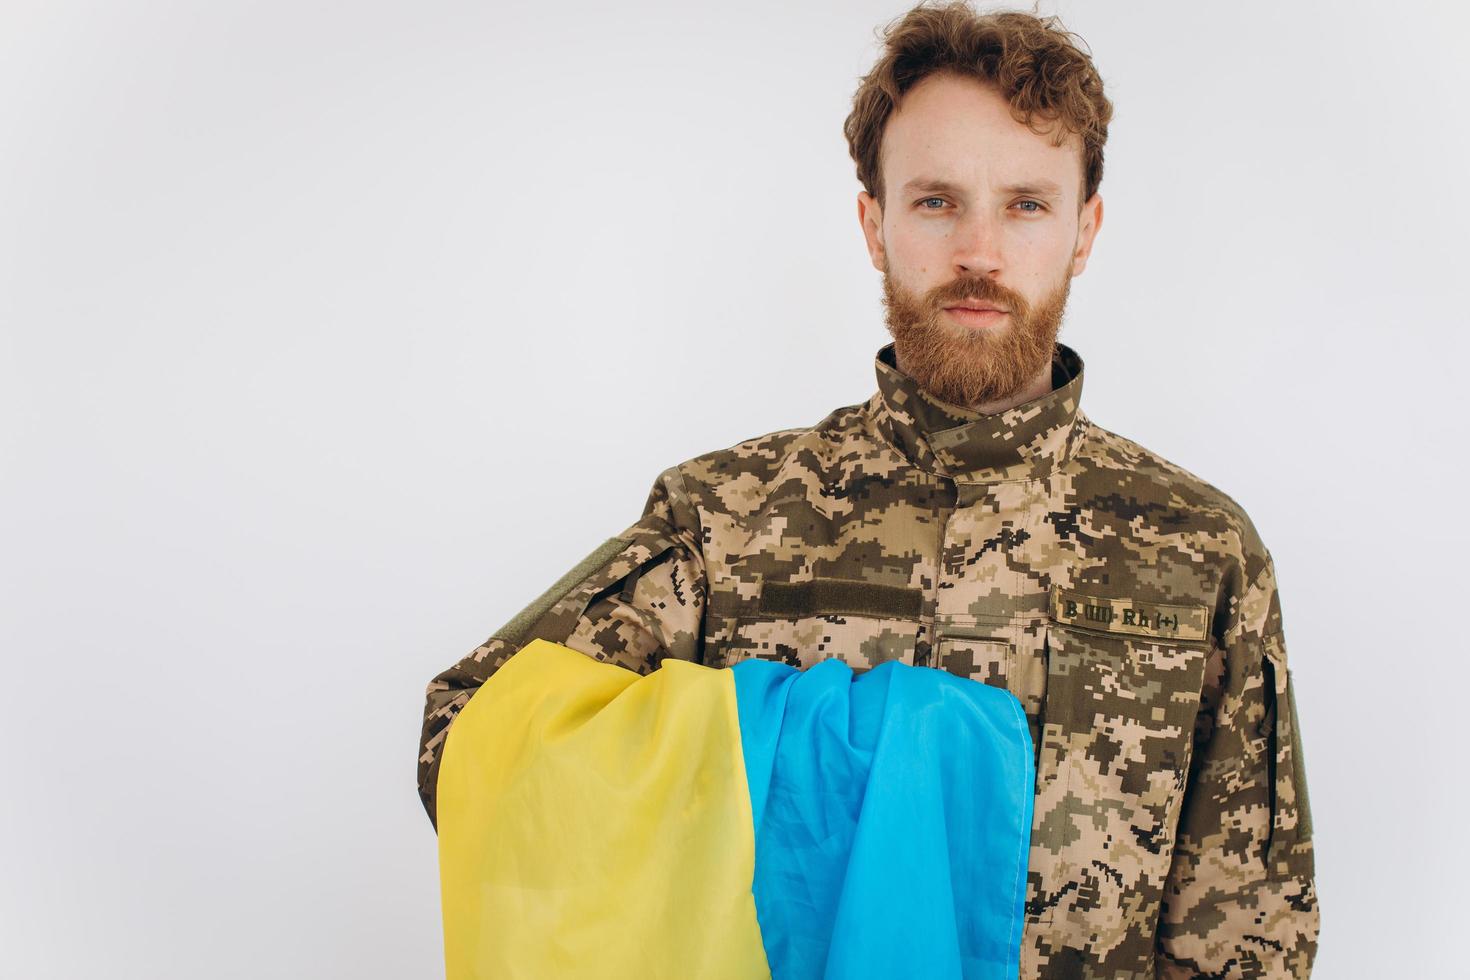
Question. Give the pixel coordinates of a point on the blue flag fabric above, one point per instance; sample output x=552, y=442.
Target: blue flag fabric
x=892, y=814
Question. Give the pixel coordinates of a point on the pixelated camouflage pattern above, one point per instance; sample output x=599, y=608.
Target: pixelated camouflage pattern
x=1172, y=833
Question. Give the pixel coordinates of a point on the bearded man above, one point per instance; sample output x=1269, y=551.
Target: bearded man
x=969, y=517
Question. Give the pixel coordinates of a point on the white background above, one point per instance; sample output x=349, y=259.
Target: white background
x=332, y=333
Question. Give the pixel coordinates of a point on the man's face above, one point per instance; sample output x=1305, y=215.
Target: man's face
x=979, y=210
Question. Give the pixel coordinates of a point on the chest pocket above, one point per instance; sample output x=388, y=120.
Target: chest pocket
x=1123, y=689
x=800, y=623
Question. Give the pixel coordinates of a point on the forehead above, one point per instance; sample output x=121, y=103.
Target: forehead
x=961, y=129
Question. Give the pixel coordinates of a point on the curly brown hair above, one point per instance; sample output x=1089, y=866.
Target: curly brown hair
x=1031, y=60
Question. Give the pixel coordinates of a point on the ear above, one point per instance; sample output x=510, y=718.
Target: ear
x=870, y=216
x=1090, y=220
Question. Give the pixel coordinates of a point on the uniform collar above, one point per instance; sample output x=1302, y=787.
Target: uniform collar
x=1025, y=442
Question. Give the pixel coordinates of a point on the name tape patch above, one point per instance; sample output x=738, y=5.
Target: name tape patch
x=1168, y=620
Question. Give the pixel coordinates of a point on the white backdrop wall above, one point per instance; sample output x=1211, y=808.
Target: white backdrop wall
x=331, y=333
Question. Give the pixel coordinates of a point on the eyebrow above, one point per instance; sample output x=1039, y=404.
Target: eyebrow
x=1040, y=187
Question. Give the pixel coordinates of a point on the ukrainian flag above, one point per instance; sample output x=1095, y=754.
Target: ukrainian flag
x=756, y=821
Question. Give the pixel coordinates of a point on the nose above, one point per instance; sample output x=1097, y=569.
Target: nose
x=976, y=246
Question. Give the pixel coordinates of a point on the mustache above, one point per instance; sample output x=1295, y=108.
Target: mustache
x=978, y=290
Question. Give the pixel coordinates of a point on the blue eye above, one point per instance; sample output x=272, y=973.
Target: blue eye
x=922, y=202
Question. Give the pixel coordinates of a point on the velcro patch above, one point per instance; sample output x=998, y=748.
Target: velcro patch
x=839, y=595
x=1167, y=620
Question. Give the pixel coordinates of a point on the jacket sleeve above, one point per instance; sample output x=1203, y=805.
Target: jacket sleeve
x=635, y=599
x=1241, y=898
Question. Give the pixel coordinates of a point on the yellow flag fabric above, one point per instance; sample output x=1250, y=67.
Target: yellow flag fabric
x=639, y=782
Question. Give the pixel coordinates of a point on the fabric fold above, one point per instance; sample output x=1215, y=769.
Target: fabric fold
x=747, y=822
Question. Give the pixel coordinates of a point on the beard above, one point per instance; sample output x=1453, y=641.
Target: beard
x=965, y=365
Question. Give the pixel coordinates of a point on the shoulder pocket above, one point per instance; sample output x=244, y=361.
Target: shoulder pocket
x=1291, y=815
x=612, y=566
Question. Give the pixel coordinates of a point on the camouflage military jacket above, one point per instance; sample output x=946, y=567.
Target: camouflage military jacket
x=1130, y=606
